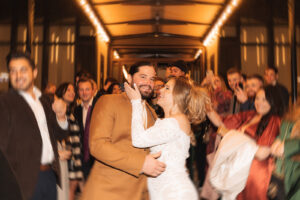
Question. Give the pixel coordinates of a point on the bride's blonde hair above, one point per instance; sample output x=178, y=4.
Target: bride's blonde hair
x=190, y=99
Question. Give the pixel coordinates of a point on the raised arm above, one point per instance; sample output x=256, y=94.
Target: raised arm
x=215, y=118
x=162, y=132
x=56, y=114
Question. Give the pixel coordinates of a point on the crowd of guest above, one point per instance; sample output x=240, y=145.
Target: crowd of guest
x=59, y=122
x=253, y=105
x=256, y=109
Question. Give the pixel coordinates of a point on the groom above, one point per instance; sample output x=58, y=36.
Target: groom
x=119, y=170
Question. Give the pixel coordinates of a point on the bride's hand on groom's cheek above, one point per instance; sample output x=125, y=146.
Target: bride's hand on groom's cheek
x=132, y=93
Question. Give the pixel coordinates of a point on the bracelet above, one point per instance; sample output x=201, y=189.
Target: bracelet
x=222, y=130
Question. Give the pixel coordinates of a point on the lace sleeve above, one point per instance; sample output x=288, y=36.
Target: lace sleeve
x=163, y=130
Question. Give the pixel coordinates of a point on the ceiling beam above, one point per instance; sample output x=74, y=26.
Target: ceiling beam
x=169, y=46
x=153, y=59
x=155, y=35
x=157, y=55
x=159, y=51
x=157, y=3
x=159, y=21
x=133, y=36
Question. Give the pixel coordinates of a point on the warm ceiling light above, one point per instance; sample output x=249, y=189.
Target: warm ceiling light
x=229, y=9
x=85, y=6
x=4, y=77
x=198, y=53
x=125, y=73
x=116, y=55
x=213, y=33
x=235, y=2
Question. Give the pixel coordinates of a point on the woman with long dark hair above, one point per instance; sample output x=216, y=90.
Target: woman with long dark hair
x=114, y=88
x=66, y=92
x=262, y=125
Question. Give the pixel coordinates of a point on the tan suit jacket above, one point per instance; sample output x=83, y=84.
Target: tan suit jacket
x=116, y=172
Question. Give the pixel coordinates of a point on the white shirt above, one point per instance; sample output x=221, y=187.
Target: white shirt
x=85, y=111
x=38, y=110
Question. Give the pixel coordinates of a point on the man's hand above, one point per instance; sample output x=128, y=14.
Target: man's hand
x=60, y=108
x=240, y=95
x=64, y=154
x=153, y=167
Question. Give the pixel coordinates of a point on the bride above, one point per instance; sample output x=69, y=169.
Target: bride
x=183, y=104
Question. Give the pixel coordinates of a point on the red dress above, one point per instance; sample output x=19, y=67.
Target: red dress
x=260, y=171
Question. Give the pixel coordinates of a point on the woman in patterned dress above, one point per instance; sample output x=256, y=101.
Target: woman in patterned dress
x=67, y=93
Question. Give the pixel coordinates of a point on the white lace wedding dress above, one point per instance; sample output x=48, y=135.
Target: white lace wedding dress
x=165, y=136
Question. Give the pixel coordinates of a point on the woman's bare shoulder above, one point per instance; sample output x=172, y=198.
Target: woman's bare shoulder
x=183, y=122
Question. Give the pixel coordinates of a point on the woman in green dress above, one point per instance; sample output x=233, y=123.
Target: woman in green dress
x=286, y=149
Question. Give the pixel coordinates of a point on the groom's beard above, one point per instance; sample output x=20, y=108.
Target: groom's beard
x=146, y=94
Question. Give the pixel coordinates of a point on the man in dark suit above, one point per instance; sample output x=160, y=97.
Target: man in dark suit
x=83, y=113
x=271, y=78
x=234, y=78
x=29, y=130
x=246, y=97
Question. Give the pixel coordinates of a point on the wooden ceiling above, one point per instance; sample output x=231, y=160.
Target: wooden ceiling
x=171, y=29
x=188, y=18
x=160, y=29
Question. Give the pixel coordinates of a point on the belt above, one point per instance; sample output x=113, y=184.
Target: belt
x=45, y=167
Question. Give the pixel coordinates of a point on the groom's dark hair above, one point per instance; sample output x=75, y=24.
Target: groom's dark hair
x=136, y=66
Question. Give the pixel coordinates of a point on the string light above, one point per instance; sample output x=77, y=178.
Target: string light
x=216, y=28
x=125, y=73
x=94, y=20
x=198, y=53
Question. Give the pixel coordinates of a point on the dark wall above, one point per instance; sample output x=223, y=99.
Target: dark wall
x=86, y=55
x=229, y=54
